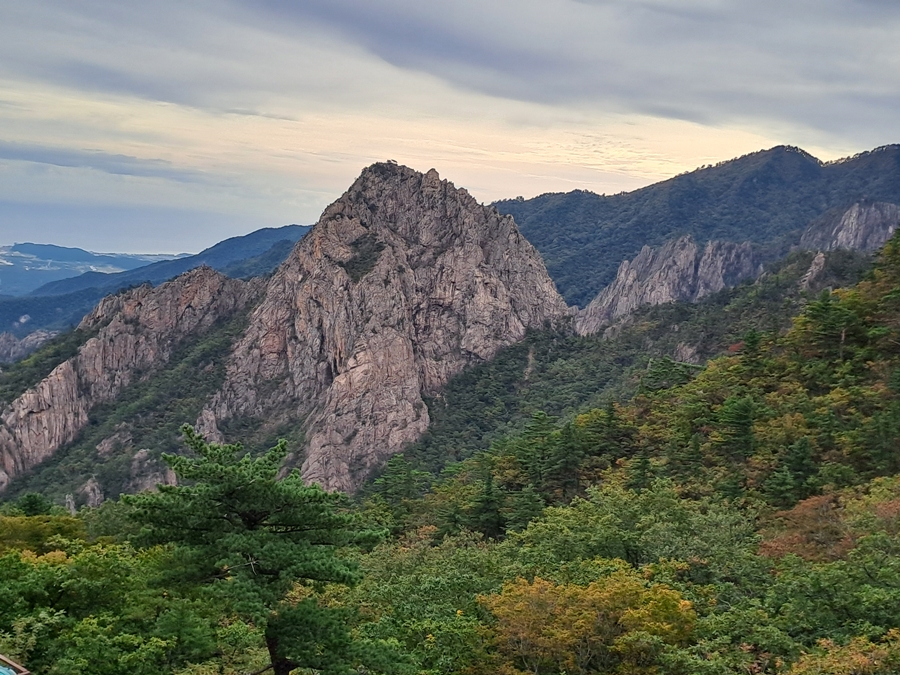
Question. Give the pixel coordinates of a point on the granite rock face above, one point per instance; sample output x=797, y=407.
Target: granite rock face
x=136, y=331
x=404, y=281
x=679, y=270
x=12, y=348
x=862, y=227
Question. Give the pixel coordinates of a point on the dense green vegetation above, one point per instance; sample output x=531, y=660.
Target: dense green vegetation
x=766, y=197
x=736, y=518
x=151, y=411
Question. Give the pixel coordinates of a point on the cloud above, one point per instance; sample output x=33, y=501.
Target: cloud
x=824, y=64
x=122, y=165
x=270, y=108
x=829, y=66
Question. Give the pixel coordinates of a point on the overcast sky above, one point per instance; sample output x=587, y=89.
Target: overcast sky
x=167, y=126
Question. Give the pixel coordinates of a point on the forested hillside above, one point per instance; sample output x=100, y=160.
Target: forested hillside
x=736, y=518
x=563, y=374
x=767, y=198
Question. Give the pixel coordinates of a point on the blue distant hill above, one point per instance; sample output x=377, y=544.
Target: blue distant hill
x=62, y=302
x=25, y=267
x=220, y=257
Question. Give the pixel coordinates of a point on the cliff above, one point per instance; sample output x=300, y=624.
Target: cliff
x=679, y=270
x=862, y=227
x=13, y=348
x=136, y=332
x=403, y=282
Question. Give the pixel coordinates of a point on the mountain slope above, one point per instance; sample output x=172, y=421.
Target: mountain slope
x=766, y=198
x=403, y=282
x=129, y=335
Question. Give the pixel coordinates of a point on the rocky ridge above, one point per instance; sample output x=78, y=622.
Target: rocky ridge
x=862, y=227
x=680, y=270
x=404, y=281
x=136, y=331
x=13, y=348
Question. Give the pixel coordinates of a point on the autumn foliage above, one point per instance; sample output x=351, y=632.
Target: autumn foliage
x=609, y=624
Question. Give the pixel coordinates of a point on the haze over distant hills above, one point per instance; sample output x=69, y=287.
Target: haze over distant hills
x=61, y=304
x=24, y=267
x=219, y=256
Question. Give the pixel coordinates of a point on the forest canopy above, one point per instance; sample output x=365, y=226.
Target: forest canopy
x=742, y=517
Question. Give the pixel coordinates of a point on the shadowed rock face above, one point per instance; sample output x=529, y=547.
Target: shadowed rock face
x=862, y=227
x=138, y=330
x=404, y=281
x=12, y=348
x=677, y=271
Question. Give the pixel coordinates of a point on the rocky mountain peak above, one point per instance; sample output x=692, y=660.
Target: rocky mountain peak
x=403, y=282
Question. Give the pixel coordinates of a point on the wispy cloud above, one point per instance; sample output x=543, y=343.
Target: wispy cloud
x=268, y=109
x=100, y=161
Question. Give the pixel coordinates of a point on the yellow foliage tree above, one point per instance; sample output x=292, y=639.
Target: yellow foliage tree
x=860, y=657
x=614, y=623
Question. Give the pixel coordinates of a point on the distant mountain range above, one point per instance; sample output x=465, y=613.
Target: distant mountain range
x=25, y=267
x=62, y=303
x=220, y=256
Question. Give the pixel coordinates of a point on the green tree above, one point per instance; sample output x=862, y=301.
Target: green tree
x=260, y=543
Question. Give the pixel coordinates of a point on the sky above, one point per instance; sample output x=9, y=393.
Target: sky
x=167, y=126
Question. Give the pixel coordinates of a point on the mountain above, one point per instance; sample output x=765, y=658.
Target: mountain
x=220, y=256
x=60, y=305
x=767, y=198
x=128, y=335
x=678, y=271
x=405, y=288
x=25, y=267
x=862, y=227
x=404, y=282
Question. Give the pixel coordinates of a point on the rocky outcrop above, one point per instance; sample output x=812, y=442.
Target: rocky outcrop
x=92, y=493
x=404, y=281
x=12, y=348
x=136, y=331
x=862, y=227
x=816, y=267
x=677, y=271
x=147, y=473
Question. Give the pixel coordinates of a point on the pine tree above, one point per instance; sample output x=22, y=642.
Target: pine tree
x=524, y=506
x=253, y=540
x=485, y=514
